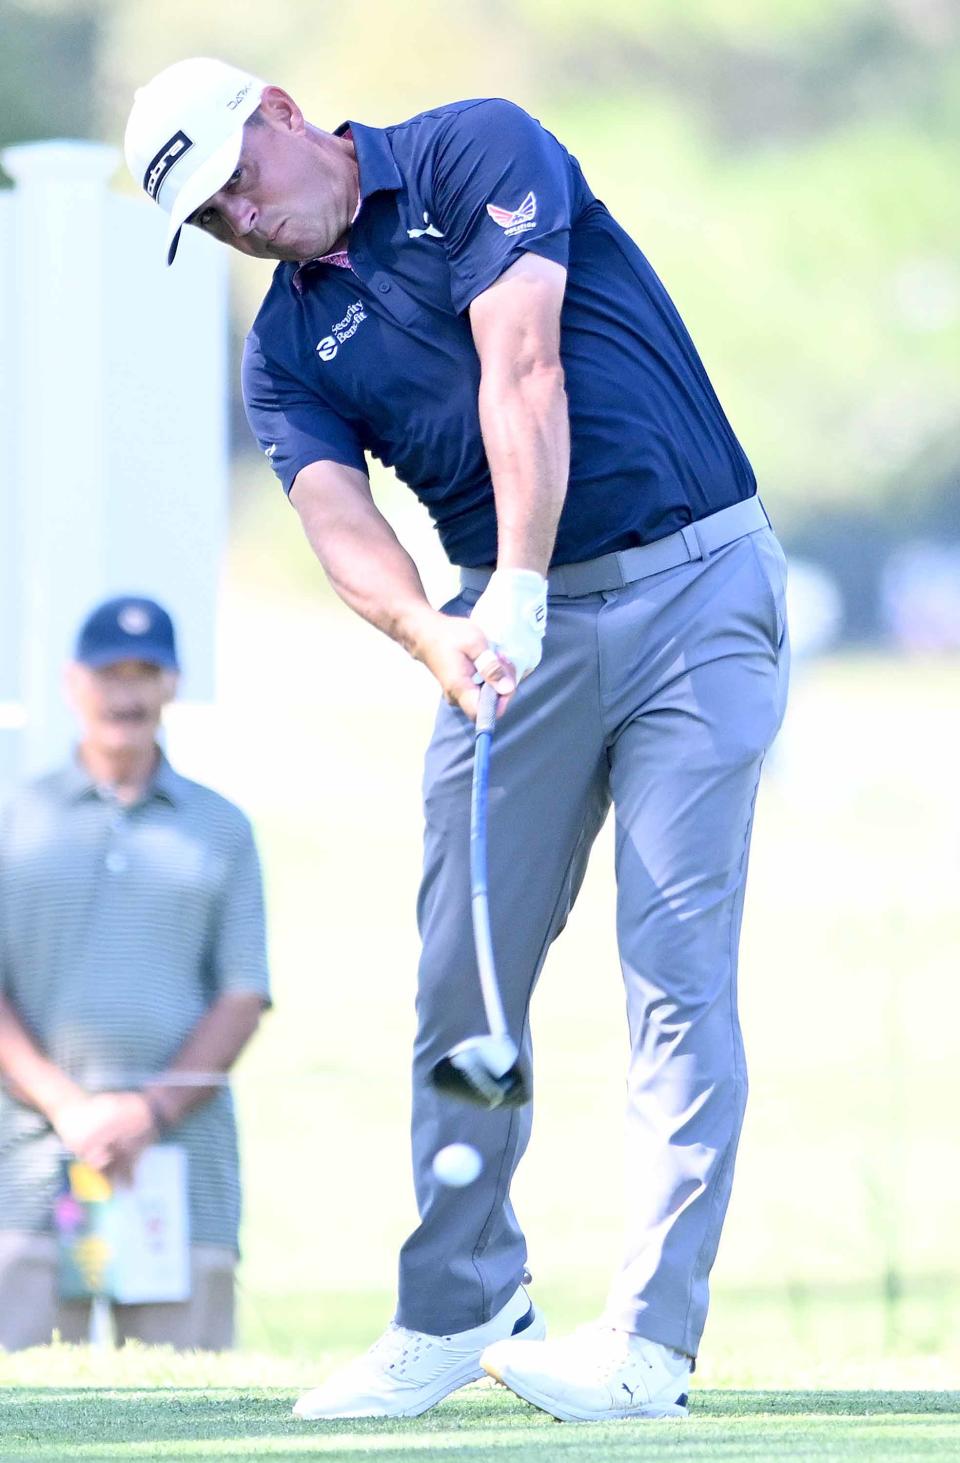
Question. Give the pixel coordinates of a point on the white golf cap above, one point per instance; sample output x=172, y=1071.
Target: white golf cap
x=184, y=134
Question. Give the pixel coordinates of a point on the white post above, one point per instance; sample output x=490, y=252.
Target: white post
x=57, y=458
x=113, y=386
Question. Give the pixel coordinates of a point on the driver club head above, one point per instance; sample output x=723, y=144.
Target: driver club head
x=483, y=1070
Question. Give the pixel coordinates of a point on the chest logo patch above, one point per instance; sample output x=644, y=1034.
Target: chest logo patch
x=344, y=330
x=516, y=220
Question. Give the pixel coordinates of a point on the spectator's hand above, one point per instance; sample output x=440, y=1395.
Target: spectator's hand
x=125, y=1128
x=108, y=1130
x=74, y=1120
x=454, y=650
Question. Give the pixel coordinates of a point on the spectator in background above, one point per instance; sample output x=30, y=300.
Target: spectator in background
x=132, y=950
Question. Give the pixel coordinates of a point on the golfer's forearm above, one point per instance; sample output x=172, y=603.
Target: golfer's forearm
x=27, y=1072
x=376, y=577
x=526, y=432
x=363, y=559
x=212, y=1046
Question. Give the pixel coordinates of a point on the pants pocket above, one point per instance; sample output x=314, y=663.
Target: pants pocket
x=771, y=563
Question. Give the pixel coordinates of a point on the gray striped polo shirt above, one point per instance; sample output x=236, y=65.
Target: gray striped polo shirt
x=119, y=927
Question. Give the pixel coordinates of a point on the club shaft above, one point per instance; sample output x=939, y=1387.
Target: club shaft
x=479, y=902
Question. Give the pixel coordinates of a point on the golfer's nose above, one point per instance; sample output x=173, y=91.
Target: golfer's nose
x=239, y=213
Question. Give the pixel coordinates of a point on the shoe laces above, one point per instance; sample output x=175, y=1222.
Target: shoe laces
x=604, y=1350
x=398, y=1348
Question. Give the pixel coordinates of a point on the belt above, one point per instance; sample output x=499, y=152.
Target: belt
x=612, y=571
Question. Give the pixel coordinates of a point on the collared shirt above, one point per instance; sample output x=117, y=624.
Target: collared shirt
x=381, y=359
x=119, y=927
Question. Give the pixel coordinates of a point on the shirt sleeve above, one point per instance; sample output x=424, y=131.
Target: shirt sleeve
x=292, y=425
x=239, y=953
x=502, y=185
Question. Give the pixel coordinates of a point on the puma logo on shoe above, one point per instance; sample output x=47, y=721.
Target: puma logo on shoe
x=523, y=1322
x=598, y=1373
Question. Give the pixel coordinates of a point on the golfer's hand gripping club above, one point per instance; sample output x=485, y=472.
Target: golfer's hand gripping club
x=512, y=613
x=483, y=1069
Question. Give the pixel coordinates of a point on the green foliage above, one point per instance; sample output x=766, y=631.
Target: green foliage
x=788, y=165
x=46, y=66
x=797, y=270
x=662, y=22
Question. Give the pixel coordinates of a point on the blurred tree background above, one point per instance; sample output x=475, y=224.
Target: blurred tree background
x=789, y=166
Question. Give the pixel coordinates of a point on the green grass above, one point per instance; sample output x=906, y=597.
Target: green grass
x=70, y=1402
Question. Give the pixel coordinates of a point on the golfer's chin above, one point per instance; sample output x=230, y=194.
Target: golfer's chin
x=262, y=249
x=295, y=246
x=285, y=253
x=285, y=244
x=256, y=247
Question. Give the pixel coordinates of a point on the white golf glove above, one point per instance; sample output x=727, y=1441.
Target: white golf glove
x=512, y=613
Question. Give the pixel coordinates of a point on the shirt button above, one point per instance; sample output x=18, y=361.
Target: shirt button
x=116, y=862
x=384, y=287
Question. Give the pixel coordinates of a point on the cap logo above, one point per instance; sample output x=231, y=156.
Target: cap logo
x=234, y=103
x=171, y=152
x=134, y=619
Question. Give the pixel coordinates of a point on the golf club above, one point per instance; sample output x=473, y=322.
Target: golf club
x=483, y=1070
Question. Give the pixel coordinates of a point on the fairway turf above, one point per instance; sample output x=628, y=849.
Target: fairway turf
x=164, y=1406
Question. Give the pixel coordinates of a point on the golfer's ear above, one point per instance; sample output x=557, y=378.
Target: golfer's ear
x=279, y=109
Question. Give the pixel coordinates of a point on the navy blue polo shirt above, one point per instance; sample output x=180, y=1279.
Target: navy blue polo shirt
x=379, y=358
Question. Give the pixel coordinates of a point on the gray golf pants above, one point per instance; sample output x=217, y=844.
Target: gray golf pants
x=662, y=697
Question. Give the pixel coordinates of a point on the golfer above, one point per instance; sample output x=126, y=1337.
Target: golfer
x=452, y=299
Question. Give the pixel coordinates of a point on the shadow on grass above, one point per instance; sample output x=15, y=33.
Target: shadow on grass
x=819, y=1404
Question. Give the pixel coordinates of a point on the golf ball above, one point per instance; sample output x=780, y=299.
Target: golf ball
x=457, y=1165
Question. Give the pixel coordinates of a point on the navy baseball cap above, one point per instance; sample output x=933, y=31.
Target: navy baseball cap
x=129, y=628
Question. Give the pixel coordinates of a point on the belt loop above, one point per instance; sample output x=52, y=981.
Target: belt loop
x=691, y=539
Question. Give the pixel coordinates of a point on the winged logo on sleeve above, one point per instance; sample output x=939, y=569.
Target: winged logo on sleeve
x=515, y=220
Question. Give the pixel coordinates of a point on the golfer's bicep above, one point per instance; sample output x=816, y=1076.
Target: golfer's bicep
x=516, y=321
x=330, y=490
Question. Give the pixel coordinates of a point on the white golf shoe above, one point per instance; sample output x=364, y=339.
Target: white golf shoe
x=594, y=1375
x=405, y=1372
